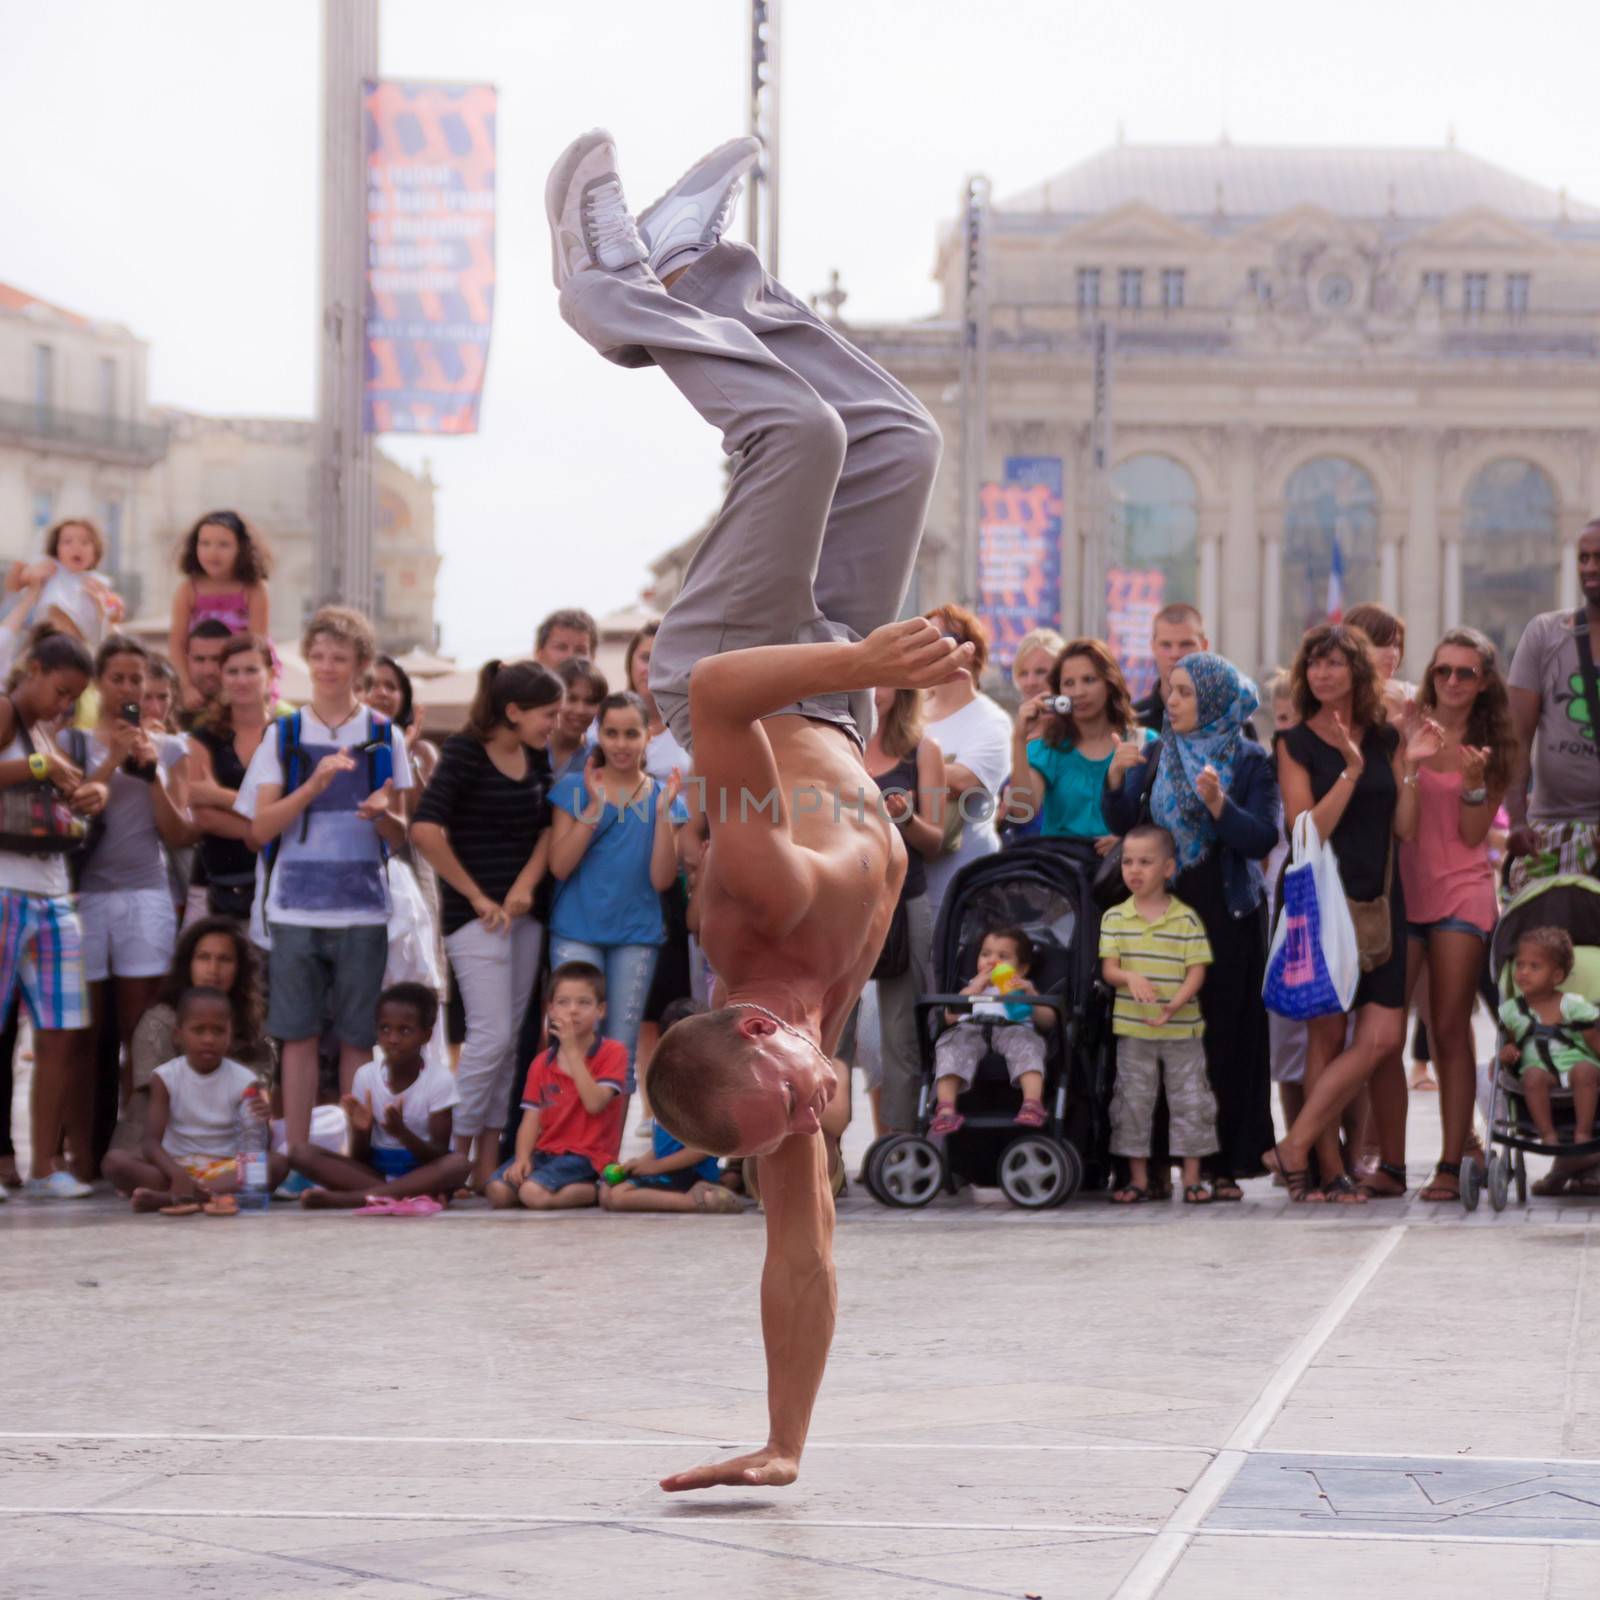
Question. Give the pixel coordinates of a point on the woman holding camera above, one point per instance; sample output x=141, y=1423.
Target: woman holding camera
x=1064, y=740
x=130, y=926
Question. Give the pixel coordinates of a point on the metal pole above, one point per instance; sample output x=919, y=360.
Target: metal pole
x=974, y=376
x=344, y=449
x=759, y=66
x=1099, y=548
x=774, y=85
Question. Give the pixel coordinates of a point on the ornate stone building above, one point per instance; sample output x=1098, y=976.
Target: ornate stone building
x=1397, y=350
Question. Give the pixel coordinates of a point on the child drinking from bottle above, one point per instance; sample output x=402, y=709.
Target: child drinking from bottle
x=1004, y=960
x=189, y=1156
x=399, y=1110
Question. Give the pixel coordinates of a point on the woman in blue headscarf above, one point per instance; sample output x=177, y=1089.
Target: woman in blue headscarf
x=1213, y=788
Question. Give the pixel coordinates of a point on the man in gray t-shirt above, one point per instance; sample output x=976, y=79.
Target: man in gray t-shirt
x=1556, y=736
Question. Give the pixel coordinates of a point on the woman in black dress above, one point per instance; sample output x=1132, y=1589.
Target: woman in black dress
x=1213, y=790
x=1353, y=772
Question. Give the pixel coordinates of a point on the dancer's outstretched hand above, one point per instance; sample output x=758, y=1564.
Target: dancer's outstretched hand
x=761, y=1469
x=912, y=654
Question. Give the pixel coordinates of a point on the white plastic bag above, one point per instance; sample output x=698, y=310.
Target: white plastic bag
x=1313, y=966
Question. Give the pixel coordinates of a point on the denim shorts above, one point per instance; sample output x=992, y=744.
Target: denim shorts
x=556, y=1171
x=1420, y=930
x=313, y=970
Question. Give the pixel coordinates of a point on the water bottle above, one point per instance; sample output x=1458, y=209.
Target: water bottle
x=255, y=1140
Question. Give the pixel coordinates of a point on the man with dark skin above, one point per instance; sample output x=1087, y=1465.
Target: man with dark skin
x=1555, y=727
x=765, y=667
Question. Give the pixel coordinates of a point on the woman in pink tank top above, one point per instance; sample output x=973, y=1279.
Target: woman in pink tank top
x=1451, y=904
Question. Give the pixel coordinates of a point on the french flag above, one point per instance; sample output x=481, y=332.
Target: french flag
x=1336, y=584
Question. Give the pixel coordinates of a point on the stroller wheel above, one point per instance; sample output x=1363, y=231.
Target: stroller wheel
x=869, y=1167
x=1471, y=1184
x=908, y=1171
x=1499, y=1180
x=1037, y=1171
x=1519, y=1172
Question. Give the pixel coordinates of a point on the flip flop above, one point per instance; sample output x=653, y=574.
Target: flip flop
x=419, y=1205
x=181, y=1208
x=224, y=1205
x=1196, y=1194
x=1130, y=1194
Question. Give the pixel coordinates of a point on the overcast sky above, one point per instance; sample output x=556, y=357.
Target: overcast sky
x=161, y=171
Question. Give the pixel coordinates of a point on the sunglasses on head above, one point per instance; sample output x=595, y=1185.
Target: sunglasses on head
x=1443, y=673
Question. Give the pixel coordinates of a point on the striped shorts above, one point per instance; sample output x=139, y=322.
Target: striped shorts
x=41, y=949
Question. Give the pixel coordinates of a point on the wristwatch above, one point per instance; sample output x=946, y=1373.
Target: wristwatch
x=1474, y=797
x=38, y=767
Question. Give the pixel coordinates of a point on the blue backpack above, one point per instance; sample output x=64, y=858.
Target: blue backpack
x=297, y=766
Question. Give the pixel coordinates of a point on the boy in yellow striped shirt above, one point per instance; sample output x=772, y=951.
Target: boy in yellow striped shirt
x=1154, y=953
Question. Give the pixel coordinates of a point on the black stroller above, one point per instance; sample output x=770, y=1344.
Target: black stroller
x=1568, y=902
x=1043, y=889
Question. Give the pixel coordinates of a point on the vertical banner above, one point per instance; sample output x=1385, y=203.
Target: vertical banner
x=1132, y=600
x=430, y=254
x=1019, y=553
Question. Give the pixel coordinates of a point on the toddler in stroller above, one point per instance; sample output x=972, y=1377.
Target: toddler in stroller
x=998, y=1020
x=1553, y=1038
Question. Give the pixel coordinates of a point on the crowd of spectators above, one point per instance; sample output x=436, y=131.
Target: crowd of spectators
x=209, y=896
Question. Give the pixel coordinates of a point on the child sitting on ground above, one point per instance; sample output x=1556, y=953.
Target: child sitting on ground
x=571, y=1116
x=671, y=1177
x=961, y=1048
x=1154, y=953
x=399, y=1112
x=191, y=1133
x=1554, y=1036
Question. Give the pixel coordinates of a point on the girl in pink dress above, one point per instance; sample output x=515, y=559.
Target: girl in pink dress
x=1449, y=879
x=225, y=571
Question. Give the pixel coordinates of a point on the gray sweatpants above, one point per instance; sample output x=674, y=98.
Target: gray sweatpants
x=833, y=467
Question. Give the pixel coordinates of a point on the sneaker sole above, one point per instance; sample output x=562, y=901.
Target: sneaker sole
x=560, y=180
x=719, y=170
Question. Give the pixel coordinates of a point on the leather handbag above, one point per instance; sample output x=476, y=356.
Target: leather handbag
x=1374, y=926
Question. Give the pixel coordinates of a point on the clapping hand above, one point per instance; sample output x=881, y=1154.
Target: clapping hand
x=358, y=1113
x=1353, y=758
x=1209, y=787
x=1425, y=743
x=1474, y=764
x=669, y=792
x=377, y=803
x=394, y=1118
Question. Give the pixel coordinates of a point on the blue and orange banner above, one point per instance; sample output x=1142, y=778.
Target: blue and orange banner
x=1019, y=553
x=430, y=254
x=1133, y=596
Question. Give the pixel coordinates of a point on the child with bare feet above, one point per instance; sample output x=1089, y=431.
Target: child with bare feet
x=571, y=1114
x=1154, y=953
x=189, y=1156
x=1004, y=960
x=672, y=1177
x=400, y=1110
x=1554, y=1037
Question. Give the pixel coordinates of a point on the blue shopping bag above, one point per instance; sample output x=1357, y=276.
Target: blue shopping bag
x=1313, y=966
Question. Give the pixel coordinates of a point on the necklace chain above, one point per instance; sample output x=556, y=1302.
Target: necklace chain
x=772, y=1016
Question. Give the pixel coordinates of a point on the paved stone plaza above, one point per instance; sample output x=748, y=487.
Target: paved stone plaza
x=1242, y=1401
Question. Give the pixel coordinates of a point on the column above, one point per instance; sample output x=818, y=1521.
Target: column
x=1210, y=561
x=1236, y=609
x=1424, y=595
x=1271, y=593
x=1450, y=585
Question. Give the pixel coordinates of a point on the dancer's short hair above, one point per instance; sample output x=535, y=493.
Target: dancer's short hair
x=700, y=1065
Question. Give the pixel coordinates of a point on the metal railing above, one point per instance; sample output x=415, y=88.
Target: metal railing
x=82, y=432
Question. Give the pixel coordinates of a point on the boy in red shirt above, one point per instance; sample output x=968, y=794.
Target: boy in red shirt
x=571, y=1110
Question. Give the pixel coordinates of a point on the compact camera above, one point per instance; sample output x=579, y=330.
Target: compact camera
x=1061, y=704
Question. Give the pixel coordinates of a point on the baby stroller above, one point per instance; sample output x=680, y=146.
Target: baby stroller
x=1568, y=902
x=1045, y=891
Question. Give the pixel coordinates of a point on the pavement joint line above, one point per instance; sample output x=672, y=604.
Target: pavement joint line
x=1150, y=1573
x=665, y=1441
x=1433, y=1455
x=623, y=1519
x=1388, y=1536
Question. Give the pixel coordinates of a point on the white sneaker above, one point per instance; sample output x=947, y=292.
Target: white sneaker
x=590, y=225
x=58, y=1186
x=692, y=214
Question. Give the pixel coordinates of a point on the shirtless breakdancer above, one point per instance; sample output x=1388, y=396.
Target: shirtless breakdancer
x=764, y=667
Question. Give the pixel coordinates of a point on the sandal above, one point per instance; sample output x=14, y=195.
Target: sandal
x=1395, y=1174
x=947, y=1121
x=1343, y=1191
x=223, y=1205
x=1449, y=1189
x=1225, y=1190
x=181, y=1208
x=1196, y=1194
x=1297, y=1182
x=1032, y=1115
x=1130, y=1194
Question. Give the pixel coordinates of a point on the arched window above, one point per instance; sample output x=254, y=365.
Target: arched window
x=1510, y=550
x=1328, y=503
x=1157, y=516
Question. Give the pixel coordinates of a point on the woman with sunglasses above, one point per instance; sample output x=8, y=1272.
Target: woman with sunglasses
x=1448, y=878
